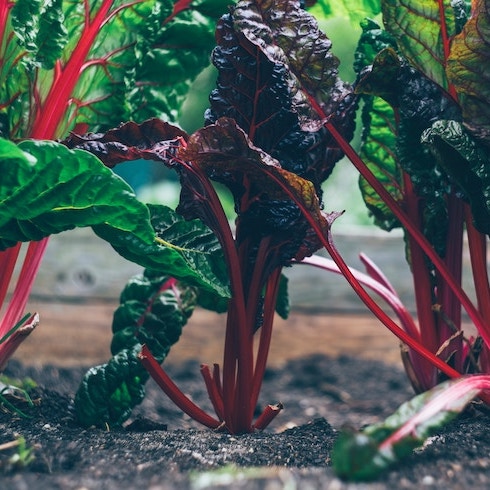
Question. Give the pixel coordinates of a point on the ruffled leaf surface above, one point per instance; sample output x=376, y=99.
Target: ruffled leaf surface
x=468, y=164
x=267, y=58
x=268, y=198
x=153, y=310
x=419, y=103
x=378, y=142
x=58, y=189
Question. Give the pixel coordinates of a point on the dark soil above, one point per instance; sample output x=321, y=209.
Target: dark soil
x=162, y=449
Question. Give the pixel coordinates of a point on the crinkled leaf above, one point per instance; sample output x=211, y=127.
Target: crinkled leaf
x=151, y=140
x=378, y=148
x=378, y=151
x=176, y=50
x=154, y=308
x=53, y=189
x=265, y=58
x=198, y=246
x=419, y=103
x=40, y=30
x=364, y=455
x=264, y=208
x=468, y=164
x=467, y=69
x=419, y=31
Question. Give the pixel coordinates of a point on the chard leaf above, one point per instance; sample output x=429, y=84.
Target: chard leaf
x=378, y=151
x=419, y=103
x=467, y=69
x=422, y=35
x=151, y=140
x=468, y=164
x=170, y=56
x=364, y=455
x=262, y=72
x=154, y=308
x=99, y=62
x=63, y=189
x=265, y=209
x=198, y=246
x=378, y=142
x=57, y=189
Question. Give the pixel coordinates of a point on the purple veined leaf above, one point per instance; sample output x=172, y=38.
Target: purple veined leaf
x=153, y=139
x=467, y=69
x=262, y=79
x=225, y=154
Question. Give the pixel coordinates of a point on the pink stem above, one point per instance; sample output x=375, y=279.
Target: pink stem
x=10, y=345
x=8, y=258
x=380, y=289
x=424, y=244
x=24, y=284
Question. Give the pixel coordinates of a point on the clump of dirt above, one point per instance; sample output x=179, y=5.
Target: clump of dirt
x=160, y=448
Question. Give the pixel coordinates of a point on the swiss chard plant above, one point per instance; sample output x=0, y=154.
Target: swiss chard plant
x=73, y=66
x=279, y=118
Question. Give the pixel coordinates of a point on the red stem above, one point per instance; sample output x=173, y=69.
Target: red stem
x=173, y=392
x=423, y=291
x=360, y=291
x=477, y=243
x=267, y=416
x=420, y=239
x=213, y=391
x=451, y=307
x=270, y=300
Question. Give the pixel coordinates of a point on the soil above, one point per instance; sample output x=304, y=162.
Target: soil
x=160, y=448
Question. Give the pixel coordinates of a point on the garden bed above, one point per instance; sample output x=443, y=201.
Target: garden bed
x=163, y=449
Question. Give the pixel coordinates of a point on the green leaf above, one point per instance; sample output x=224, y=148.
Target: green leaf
x=99, y=62
x=467, y=69
x=418, y=29
x=65, y=189
x=175, y=50
x=198, y=246
x=378, y=151
x=153, y=310
x=364, y=455
x=378, y=145
x=468, y=164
